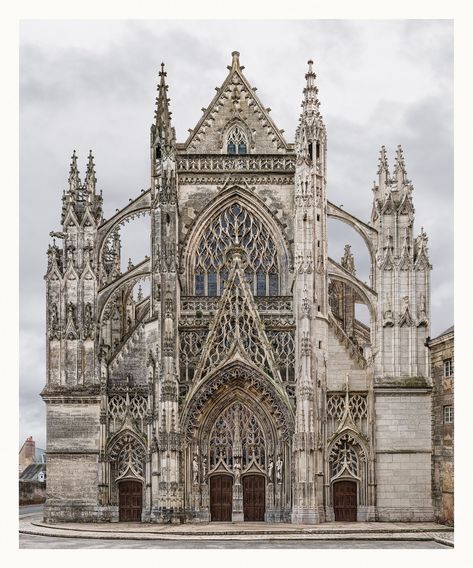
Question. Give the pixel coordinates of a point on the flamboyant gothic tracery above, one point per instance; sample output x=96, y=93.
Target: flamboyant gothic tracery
x=236, y=226
x=242, y=387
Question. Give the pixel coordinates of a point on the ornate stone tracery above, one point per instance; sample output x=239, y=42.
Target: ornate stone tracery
x=127, y=457
x=237, y=433
x=235, y=225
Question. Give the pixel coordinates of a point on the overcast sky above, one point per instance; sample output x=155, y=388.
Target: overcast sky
x=92, y=85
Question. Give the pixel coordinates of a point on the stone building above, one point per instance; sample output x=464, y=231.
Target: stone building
x=29, y=454
x=243, y=387
x=442, y=361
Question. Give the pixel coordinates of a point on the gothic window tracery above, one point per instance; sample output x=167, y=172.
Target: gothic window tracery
x=127, y=457
x=336, y=409
x=344, y=458
x=236, y=141
x=236, y=226
x=237, y=434
x=118, y=405
x=282, y=343
x=191, y=345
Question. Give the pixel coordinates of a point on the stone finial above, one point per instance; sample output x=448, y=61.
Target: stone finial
x=235, y=60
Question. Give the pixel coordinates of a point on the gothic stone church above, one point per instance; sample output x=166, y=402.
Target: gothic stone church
x=243, y=387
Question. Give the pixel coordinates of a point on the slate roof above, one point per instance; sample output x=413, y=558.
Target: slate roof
x=30, y=473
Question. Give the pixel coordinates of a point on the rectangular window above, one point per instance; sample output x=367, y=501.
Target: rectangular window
x=212, y=284
x=273, y=284
x=260, y=283
x=199, y=285
x=448, y=414
x=447, y=368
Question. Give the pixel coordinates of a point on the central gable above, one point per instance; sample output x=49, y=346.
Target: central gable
x=235, y=108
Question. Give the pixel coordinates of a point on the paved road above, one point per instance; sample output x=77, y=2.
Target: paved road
x=33, y=541
x=30, y=509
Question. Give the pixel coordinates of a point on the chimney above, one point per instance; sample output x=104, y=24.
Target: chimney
x=30, y=449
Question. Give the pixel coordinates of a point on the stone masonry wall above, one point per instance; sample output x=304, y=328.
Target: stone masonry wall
x=403, y=456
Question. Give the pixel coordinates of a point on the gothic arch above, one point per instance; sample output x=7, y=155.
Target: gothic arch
x=237, y=377
x=127, y=455
x=245, y=130
x=348, y=458
x=211, y=212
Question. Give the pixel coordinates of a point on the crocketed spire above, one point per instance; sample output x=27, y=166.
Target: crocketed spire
x=164, y=129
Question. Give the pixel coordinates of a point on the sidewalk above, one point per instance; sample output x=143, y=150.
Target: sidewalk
x=33, y=524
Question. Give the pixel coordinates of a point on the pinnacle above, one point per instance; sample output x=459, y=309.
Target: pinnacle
x=310, y=104
x=383, y=160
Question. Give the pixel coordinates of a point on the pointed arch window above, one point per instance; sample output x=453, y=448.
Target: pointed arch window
x=236, y=225
x=236, y=141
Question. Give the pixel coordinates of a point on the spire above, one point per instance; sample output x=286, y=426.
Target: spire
x=90, y=179
x=310, y=104
x=74, y=180
x=162, y=114
x=383, y=169
x=399, y=174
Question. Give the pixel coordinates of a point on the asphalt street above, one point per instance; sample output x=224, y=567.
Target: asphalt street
x=33, y=541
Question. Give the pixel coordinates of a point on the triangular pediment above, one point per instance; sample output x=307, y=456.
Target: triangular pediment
x=235, y=103
x=237, y=332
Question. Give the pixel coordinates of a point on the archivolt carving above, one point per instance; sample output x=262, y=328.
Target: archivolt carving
x=238, y=375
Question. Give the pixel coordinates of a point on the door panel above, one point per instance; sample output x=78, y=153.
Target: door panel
x=130, y=500
x=345, y=501
x=253, y=498
x=221, y=497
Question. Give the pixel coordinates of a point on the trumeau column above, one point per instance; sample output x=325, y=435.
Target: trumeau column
x=402, y=276
x=163, y=327
x=310, y=304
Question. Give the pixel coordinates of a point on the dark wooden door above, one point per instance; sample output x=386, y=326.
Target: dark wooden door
x=130, y=501
x=221, y=490
x=253, y=498
x=344, y=500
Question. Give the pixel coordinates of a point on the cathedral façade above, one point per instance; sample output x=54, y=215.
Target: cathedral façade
x=242, y=388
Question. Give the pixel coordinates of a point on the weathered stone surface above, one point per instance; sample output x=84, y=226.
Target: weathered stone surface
x=246, y=360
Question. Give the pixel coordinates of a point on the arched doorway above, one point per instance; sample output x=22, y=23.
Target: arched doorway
x=253, y=498
x=345, y=500
x=130, y=501
x=221, y=498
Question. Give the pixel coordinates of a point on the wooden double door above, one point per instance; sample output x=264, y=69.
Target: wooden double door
x=130, y=501
x=221, y=498
x=345, y=500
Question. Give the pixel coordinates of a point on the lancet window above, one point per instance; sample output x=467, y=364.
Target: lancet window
x=236, y=226
x=236, y=141
x=237, y=435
